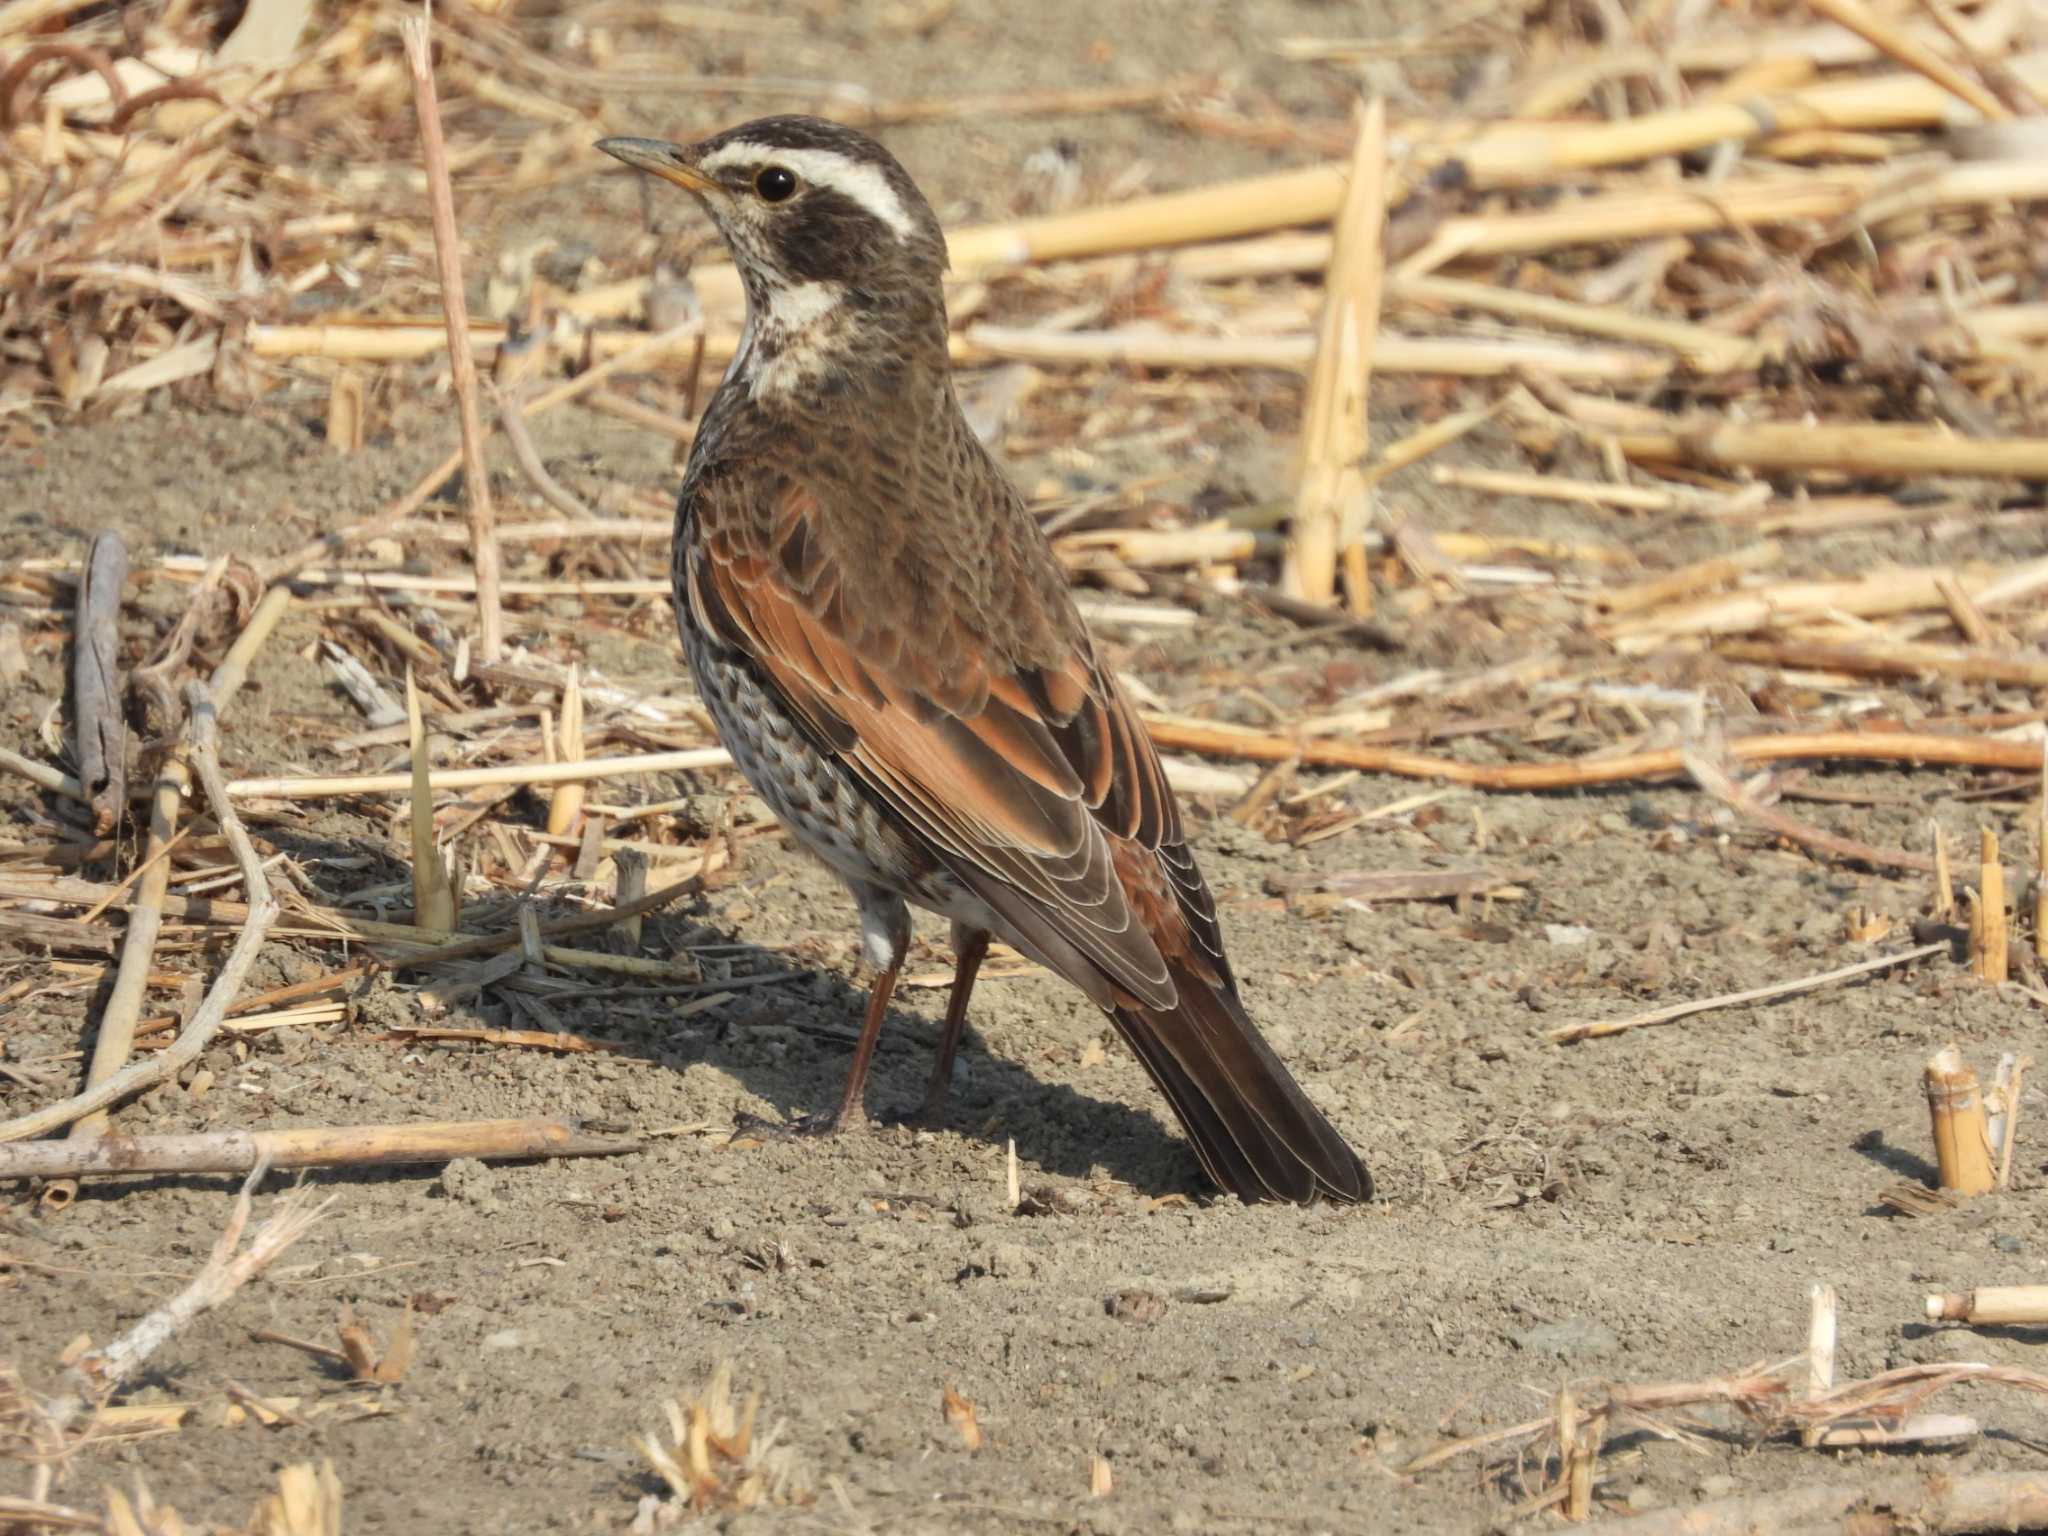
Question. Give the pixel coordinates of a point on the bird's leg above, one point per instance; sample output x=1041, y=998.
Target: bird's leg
x=885, y=938
x=969, y=946
x=851, y=1114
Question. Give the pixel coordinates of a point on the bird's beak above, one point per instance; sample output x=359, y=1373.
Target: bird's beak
x=668, y=161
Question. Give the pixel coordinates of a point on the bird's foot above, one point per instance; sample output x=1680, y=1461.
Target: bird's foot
x=820, y=1123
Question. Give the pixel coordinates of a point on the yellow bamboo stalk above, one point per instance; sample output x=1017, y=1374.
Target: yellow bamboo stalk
x=1991, y=1305
x=1701, y=576
x=1955, y=1105
x=1333, y=438
x=1616, y=218
x=1864, y=448
x=1700, y=346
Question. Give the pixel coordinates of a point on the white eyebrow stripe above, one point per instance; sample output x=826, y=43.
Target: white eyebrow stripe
x=858, y=180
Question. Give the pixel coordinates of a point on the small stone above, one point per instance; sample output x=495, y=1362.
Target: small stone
x=1571, y=1338
x=1010, y=1261
x=2004, y=1242
x=504, y=1338
x=472, y=1182
x=1719, y=1486
x=1140, y=1308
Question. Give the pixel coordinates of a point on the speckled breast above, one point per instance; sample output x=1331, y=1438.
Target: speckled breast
x=807, y=790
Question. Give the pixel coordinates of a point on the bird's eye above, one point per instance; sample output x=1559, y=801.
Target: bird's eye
x=775, y=184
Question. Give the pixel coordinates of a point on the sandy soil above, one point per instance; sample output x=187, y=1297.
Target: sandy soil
x=1648, y=1207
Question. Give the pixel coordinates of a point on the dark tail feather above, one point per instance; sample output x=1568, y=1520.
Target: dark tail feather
x=1253, y=1128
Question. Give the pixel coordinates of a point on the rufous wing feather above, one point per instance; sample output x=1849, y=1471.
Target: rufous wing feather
x=1031, y=779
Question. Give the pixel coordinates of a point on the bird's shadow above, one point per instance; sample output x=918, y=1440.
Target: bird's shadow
x=1061, y=1130
x=817, y=1014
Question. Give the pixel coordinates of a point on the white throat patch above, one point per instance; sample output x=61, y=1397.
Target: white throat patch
x=791, y=321
x=799, y=306
x=856, y=180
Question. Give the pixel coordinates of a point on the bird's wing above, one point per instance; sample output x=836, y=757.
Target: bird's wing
x=1035, y=784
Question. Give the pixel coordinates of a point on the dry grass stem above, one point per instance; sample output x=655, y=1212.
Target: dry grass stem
x=2002, y=1124
x=43, y=776
x=1848, y=746
x=1690, y=580
x=1570, y=1034
x=461, y=360
x=1821, y=1328
x=565, y=806
x=1916, y=55
x=434, y=897
x=324, y=788
x=715, y=1461
x=1944, y=907
x=1881, y=1410
x=404, y=944
x=114, y=1041
x=2041, y=865
x=433, y=1141
x=207, y=1018
x=1716, y=781
x=99, y=1373
x=1859, y=448
x=631, y=865
x=96, y=694
x=1988, y=933
x=1893, y=659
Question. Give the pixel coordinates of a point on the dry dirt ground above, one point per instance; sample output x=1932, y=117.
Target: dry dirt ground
x=1652, y=1206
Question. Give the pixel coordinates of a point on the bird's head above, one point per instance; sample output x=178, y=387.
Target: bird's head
x=829, y=233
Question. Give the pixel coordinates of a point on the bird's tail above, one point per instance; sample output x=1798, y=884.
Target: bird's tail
x=1252, y=1126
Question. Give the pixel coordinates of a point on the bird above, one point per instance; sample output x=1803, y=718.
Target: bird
x=889, y=649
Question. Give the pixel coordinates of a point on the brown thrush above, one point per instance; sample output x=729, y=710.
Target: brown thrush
x=889, y=650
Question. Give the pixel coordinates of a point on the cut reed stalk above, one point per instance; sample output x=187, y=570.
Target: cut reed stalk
x=1991, y=1306
x=1955, y=1106
x=1988, y=934
x=1334, y=436
x=565, y=806
x=433, y=893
